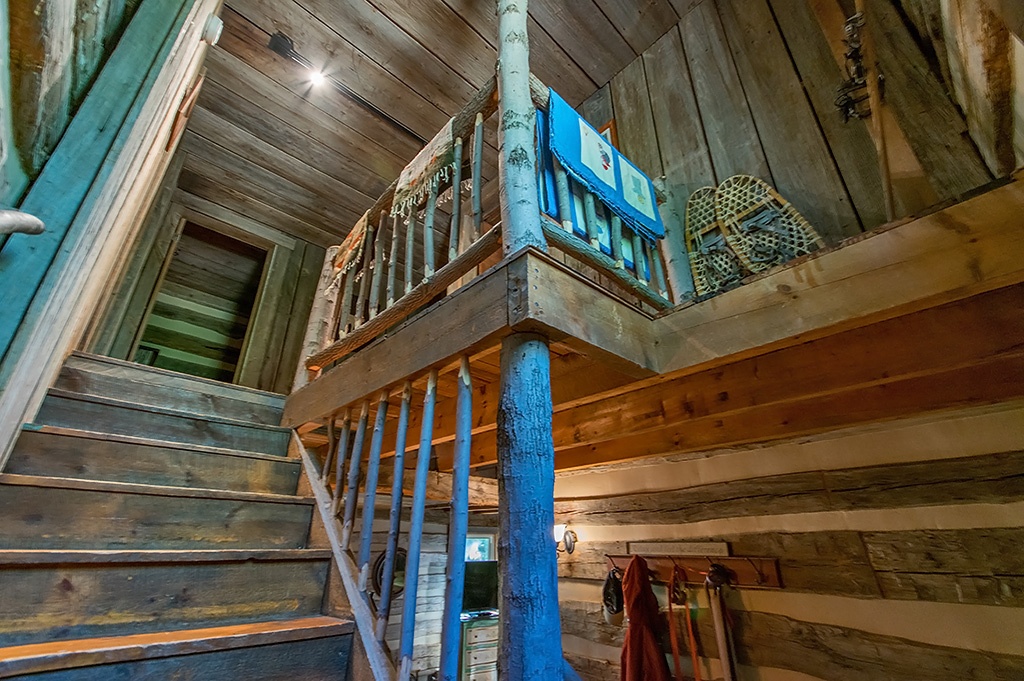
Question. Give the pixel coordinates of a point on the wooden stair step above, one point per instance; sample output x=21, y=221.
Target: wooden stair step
x=38, y=512
x=110, y=415
x=73, y=453
x=107, y=377
x=58, y=595
x=115, y=650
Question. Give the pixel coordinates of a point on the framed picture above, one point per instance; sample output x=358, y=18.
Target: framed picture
x=610, y=133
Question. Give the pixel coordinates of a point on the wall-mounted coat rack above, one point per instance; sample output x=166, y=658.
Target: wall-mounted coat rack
x=758, y=573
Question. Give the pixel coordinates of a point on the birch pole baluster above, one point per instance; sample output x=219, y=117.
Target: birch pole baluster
x=370, y=497
x=455, y=572
x=616, y=238
x=419, y=501
x=428, y=234
x=562, y=192
x=638, y=259
x=378, y=267
x=339, y=466
x=364, y=274
x=325, y=472
x=345, y=304
x=395, y=518
x=319, y=317
x=590, y=214
x=392, y=264
x=352, y=496
x=410, y=249
x=657, y=270
x=478, y=175
x=453, y=233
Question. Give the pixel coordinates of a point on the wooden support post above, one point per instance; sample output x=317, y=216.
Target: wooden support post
x=616, y=239
x=392, y=264
x=428, y=234
x=638, y=259
x=453, y=233
x=657, y=270
x=364, y=277
x=458, y=525
x=352, y=497
x=410, y=249
x=517, y=131
x=378, y=267
x=332, y=444
x=478, y=174
x=590, y=216
x=531, y=643
x=345, y=303
x=419, y=500
x=319, y=316
x=339, y=466
x=370, y=498
x=395, y=518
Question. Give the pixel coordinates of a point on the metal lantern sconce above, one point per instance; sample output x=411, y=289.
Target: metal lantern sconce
x=564, y=538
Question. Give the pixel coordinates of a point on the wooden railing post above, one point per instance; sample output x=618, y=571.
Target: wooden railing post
x=352, y=494
x=395, y=517
x=458, y=526
x=517, y=130
x=339, y=466
x=419, y=501
x=370, y=497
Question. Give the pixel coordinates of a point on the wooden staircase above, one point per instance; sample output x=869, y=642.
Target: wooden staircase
x=152, y=529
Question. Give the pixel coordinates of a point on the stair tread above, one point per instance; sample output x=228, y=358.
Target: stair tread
x=39, y=657
x=145, y=368
x=124, y=404
x=153, y=442
x=34, y=557
x=152, y=490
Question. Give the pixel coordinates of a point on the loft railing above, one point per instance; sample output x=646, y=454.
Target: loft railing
x=404, y=265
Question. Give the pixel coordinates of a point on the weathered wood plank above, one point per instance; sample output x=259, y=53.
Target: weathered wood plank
x=639, y=23
x=578, y=28
x=801, y=166
x=638, y=138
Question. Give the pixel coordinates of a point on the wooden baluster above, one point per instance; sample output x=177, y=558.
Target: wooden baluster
x=616, y=238
x=453, y=233
x=392, y=264
x=345, y=302
x=638, y=258
x=395, y=519
x=339, y=466
x=590, y=213
x=352, y=495
x=562, y=192
x=657, y=270
x=378, y=267
x=478, y=173
x=457, y=527
x=332, y=443
x=410, y=249
x=419, y=501
x=370, y=497
x=364, y=274
x=428, y=234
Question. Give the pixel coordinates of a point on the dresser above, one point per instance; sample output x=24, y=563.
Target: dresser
x=479, y=659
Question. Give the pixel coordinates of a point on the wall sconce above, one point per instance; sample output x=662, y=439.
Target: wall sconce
x=566, y=538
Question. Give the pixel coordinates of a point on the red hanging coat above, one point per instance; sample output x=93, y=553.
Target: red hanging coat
x=642, y=656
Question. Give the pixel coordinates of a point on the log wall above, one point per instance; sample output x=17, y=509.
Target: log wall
x=897, y=545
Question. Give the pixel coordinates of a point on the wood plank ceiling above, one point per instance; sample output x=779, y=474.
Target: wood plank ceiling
x=264, y=144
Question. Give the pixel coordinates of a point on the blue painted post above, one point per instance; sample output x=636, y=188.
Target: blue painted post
x=370, y=497
x=428, y=234
x=458, y=525
x=531, y=644
x=590, y=214
x=617, y=242
x=562, y=192
x=353, y=476
x=392, y=264
x=339, y=467
x=419, y=501
x=395, y=519
x=478, y=174
x=453, y=233
x=378, y=267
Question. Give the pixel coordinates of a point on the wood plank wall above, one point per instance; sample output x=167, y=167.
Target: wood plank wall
x=749, y=87
x=904, y=563
x=56, y=48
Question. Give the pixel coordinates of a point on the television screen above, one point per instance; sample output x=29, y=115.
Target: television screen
x=481, y=589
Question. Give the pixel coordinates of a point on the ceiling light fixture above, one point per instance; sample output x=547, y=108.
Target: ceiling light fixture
x=317, y=78
x=564, y=537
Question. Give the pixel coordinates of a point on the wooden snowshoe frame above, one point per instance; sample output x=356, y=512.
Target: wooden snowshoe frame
x=714, y=265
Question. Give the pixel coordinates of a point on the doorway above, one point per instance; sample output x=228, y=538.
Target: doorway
x=201, y=310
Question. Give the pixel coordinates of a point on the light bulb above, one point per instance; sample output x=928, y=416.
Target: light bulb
x=559, y=533
x=317, y=77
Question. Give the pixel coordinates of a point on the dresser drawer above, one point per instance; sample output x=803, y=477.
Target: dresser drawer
x=481, y=675
x=477, y=635
x=481, y=656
